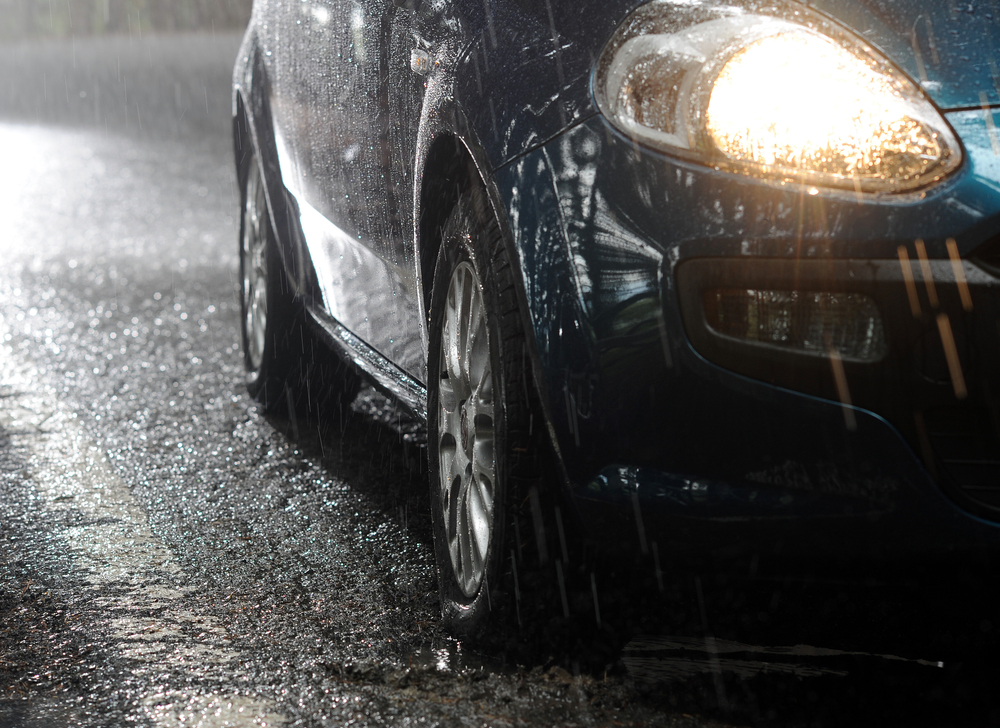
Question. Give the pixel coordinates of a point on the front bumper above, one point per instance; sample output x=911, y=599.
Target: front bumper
x=662, y=440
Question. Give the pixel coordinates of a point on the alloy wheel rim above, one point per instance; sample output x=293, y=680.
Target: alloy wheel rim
x=466, y=429
x=254, y=265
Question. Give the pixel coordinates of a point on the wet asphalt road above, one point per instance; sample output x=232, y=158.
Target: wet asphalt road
x=169, y=556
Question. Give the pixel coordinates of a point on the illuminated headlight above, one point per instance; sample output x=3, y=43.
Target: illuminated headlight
x=790, y=99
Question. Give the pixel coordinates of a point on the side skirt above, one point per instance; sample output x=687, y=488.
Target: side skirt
x=386, y=376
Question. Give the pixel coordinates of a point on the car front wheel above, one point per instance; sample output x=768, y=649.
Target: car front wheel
x=478, y=414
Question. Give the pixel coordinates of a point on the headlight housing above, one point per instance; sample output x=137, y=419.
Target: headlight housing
x=773, y=91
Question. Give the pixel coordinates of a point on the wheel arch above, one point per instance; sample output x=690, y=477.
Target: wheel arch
x=447, y=175
x=254, y=136
x=243, y=144
x=453, y=164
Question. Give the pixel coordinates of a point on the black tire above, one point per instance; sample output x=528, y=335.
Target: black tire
x=269, y=315
x=472, y=247
x=289, y=372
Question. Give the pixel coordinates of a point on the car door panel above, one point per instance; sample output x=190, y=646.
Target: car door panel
x=331, y=108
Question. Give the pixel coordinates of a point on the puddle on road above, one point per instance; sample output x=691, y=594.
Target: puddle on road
x=654, y=659
x=453, y=658
x=150, y=618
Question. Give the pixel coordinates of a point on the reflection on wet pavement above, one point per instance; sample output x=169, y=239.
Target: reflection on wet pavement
x=128, y=573
x=659, y=659
x=166, y=552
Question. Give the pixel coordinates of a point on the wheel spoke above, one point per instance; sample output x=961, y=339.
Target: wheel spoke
x=453, y=464
x=466, y=291
x=468, y=567
x=248, y=295
x=483, y=464
x=451, y=344
x=259, y=209
x=484, y=418
x=447, y=458
x=448, y=399
x=476, y=344
x=450, y=425
x=454, y=527
x=247, y=265
x=480, y=517
x=482, y=402
x=260, y=318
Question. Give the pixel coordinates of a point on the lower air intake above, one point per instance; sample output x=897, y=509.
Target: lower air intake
x=967, y=447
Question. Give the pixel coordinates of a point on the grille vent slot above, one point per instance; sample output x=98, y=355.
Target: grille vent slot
x=988, y=255
x=967, y=447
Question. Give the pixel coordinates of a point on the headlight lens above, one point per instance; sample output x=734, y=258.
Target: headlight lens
x=769, y=97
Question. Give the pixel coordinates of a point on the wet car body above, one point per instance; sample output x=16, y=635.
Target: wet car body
x=369, y=117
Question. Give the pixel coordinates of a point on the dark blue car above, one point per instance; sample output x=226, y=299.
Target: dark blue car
x=703, y=280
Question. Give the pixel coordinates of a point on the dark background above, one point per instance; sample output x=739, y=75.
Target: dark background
x=21, y=19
